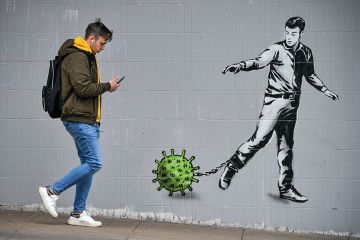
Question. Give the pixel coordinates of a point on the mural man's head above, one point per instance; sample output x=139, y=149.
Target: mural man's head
x=294, y=28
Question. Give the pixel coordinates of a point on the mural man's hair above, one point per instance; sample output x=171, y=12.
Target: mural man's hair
x=97, y=28
x=296, y=22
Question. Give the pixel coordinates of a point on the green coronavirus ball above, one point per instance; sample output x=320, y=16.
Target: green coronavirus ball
x=175, y=172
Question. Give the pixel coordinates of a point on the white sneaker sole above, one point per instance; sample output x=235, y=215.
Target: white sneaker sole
x=43, y=195
x=81, y=223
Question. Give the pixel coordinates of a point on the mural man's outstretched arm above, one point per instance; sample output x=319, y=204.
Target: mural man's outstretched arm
x=261, y=61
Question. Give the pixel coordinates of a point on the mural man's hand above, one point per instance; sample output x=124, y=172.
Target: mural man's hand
x=235, y=68
x=331, y=95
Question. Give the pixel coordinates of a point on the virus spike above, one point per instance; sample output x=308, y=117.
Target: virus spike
x=190, y=188
x=154, y=171
x=170, y=193
x=157, y=161
x=195, y=180
x=182, y=193
x=155, y=180
x=164, y=154
x=159, y=188
x=183, y=153
x=192, y=158
x=172, y=151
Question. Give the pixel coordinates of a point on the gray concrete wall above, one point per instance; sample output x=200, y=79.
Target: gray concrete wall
x=174, y=96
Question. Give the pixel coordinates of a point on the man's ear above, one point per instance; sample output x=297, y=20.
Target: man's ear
x=301, y=33
x=91, y=39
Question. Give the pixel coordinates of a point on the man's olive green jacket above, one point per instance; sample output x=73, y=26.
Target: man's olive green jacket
x=80, y=83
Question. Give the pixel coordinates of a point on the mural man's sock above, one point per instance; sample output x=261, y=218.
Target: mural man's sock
x=293, y=195
x=233, y=165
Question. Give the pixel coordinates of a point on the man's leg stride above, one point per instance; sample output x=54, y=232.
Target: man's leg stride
x=246, y=151
x=272, y=109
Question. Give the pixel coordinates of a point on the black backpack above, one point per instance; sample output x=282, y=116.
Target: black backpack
x=51, y=93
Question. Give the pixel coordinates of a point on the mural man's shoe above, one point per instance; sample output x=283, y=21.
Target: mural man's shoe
x=229, y=172
x=293, y=195
x=226, y=176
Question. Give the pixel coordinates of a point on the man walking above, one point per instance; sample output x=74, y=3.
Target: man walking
x=289, y=61
x=81, y=115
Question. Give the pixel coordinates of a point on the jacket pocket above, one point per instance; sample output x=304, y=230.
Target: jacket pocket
x=81, y=107
x=84, y=107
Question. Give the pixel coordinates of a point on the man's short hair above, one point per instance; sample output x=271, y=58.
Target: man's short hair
x=296, y=22
x=97, y=29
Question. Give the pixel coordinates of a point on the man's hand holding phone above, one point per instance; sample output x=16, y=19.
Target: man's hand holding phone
x=115, y=83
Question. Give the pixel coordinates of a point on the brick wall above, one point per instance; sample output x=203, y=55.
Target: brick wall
x=174, y=96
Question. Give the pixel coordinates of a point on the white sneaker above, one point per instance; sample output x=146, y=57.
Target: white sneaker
x=84, y=220
x=49, y=201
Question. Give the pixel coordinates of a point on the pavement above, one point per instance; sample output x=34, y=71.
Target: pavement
x=16, y=225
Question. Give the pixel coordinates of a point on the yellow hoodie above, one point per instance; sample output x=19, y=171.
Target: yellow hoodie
x=80, y=43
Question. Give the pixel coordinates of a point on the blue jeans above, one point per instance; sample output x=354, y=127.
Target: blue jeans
x=86, y=139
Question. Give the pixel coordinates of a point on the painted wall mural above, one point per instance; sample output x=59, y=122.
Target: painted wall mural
x=175, y=173
x=290, y=61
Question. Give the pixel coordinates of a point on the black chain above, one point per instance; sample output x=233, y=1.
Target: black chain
x=212, y=171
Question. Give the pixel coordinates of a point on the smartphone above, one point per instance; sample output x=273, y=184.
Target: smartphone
x=122, y=78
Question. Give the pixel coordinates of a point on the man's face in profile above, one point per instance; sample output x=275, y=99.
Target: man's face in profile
x=98, y=44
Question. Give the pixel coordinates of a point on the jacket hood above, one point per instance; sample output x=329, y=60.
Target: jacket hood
x=74, y=45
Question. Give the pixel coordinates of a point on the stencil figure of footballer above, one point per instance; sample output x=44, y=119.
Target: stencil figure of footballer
x=289, y=62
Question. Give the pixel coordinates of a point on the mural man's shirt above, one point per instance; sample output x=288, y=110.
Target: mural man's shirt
x=287, y=67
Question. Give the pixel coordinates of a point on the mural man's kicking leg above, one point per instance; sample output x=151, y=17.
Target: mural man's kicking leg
x=289, y=61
